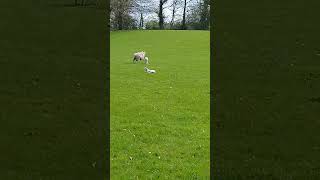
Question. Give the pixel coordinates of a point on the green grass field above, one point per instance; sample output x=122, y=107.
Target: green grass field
x=266, y=81
x=266, y=91
x=52, y=93
x=160, y=122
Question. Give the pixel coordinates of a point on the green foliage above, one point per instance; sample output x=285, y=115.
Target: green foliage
x=152, y=25
x=198, y=17
x=176, y=26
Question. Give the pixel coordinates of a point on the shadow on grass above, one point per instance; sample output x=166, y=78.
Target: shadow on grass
x=133, y=63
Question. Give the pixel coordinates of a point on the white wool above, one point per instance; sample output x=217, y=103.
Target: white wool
x=138, y=56
x=150, y=71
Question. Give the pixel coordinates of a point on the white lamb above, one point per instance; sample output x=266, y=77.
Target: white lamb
x=150, y=71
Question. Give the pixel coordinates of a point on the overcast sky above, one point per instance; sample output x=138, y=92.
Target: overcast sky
x=167, y=11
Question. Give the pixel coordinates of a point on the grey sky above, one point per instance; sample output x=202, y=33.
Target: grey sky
x=167, y=11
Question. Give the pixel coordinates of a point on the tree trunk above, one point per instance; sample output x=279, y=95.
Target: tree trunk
x=141, y=21
x=184, y=15
x=204, y=17
x=75, y=2
x=120, y=21
x=161, y=15
x=173, y=13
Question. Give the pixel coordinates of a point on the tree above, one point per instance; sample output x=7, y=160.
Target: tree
x=193, y=16
x=129, y=22
x=174, y=9
x=141, y=8
x=152, y=25
x=184, y=15
x=141, y=21
x=160, y=13
x=197, y=16
x=204, y=14
x=120, y=13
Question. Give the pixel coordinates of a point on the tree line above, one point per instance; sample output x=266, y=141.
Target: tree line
x=180, y=14
x=97, y=3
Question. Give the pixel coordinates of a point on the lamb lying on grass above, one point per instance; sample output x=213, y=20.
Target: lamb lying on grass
x=140, y=56
x=150, y=71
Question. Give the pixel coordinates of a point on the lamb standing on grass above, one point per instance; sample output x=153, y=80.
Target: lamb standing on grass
x=150, y=71
x=140, y=56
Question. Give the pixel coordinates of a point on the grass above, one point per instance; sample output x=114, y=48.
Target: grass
x=52, y=78
x=266, y=83
x=265, y=80
x=160, y=122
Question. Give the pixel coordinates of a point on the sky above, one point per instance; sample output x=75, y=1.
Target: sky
x=167, y=11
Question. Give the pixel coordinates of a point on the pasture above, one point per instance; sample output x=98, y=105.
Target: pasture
x=160, y=122
x=266, y=83
x=53, y=105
